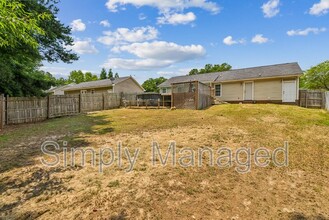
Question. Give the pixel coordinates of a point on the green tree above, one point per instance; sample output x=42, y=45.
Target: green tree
x=194, y=72
x=19, y=26
x=61, y=81
x=209, y=68
x=53, y=45
x=221, y=67
x=103, y=74
x=90, y=77
x=110, y=76
x=151, y=85
x=317, y=77
x=76, y=76
x=116, y=75
x=30, y=33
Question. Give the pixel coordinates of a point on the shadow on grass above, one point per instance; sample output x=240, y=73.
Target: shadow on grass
x=20, y=145
x=40, y=182
x=121, y=216
x=301, y=216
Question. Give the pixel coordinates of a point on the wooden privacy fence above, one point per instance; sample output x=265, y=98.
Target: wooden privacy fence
x=327, y=101
x=313, y=99
x=18, y=110
x=63, y=105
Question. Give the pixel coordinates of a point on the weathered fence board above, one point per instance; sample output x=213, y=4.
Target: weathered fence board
x=92, y=102
x=2, y=111
x=18, y=110
x=25, y=110
x=111, y=101
x=63, y=105
x=311, y=99
x=327, y=100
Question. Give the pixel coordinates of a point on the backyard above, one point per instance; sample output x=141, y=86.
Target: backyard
x=30, y=190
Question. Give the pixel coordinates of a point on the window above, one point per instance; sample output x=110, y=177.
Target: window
x=164, y=90
x=92, y=91
x=83, y=91
x=218, y=90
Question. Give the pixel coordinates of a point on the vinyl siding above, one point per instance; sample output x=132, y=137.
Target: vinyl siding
x=127, y=86
x=231, y=91
x=268, y=89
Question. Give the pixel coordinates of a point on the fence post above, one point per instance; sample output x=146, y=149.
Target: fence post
x=306, y=100
x=300, y=101
x=158, y=103
x=48, y=106
x=103, y=98
x=326, y=100
x=80, y=98
x=172, y=98
x=196, y=95
x=1, y=112
x=6, y=109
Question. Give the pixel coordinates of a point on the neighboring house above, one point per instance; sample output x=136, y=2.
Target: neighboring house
x=118, y=85
x=274, y=83
x=59, y=90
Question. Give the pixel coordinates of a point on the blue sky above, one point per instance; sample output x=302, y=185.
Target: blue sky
x=151, y=38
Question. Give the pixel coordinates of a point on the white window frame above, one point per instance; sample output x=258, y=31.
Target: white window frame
x=164, y=89
x=221, y=90
x=252, y=90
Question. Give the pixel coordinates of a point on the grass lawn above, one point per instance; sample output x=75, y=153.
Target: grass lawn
x=29, y=190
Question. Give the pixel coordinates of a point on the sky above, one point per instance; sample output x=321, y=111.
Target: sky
x=151, y=38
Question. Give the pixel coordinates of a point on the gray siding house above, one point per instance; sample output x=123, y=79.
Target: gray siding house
x=274, y=83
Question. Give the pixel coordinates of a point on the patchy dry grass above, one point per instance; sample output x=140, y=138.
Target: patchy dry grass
x=300, y=191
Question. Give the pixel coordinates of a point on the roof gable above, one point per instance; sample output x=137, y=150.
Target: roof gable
x=96, y=84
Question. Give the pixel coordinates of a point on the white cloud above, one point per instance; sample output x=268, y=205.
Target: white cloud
x=172, y=73
x=259, y=39
x=271, y=8
x=56, y=71
x=78, y=25
x=306, y=31
x=320, y=8
x=105, y=23
x=163, y=50
x=136, y=64
x=176, y=18
x=83, y=47
x=229, y=41
x=141, y=16
x=125, y=35
x=165, y=5
x=157, y=54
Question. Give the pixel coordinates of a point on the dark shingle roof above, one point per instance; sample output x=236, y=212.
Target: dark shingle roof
x=278, y=70
x=60, y=87
x=96, y=84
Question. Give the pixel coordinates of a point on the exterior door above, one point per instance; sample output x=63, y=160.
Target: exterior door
x=248, y=96
x=289, y=91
